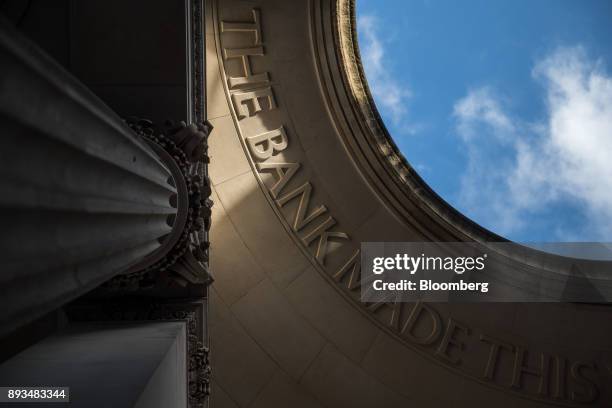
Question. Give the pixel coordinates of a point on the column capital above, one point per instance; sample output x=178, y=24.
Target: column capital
x=183, y=255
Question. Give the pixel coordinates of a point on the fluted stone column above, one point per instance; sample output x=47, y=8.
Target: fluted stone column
x=82, y=197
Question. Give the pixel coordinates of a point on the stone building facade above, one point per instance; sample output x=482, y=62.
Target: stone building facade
x=301, y=170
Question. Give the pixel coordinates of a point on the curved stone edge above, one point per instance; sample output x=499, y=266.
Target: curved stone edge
x=406, y=178
x=377, y=321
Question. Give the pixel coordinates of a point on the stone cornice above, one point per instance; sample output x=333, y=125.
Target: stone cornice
x=413, y=198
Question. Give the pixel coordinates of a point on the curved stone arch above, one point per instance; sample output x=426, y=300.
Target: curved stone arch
x=320, y=99
x=405, y=191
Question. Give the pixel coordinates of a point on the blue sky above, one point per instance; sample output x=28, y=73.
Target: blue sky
x=504, y=107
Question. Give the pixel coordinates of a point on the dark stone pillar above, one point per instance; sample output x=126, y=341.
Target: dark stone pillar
x=106, y=364
x=83, y=198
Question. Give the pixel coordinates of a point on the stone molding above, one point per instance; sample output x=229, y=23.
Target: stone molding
x=272, y=112
x=183, y=252
x=190, y=311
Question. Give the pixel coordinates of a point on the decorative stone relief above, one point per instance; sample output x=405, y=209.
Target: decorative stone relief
x=183, y=148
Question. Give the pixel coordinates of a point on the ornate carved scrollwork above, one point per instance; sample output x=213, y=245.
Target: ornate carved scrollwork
x=181, y=259
x=183, y=254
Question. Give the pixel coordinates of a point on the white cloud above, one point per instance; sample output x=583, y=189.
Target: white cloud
x=568, y=156
x=482, y=107
x=390, y=94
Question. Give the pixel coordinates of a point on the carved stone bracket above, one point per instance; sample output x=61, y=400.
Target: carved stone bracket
x=183, y=253
x=192, y=312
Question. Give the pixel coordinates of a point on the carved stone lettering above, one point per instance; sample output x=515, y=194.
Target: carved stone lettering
x=495, y=348
x=352, y=268
x=520, y=368
x=246, y=26
x=422, y=310
x=559, y=370
x=265, y=145
x=249, y=103
x=248, y=78
x=321, y=232
x=304, y=192
x=558, y=379
x=585, y=390
x=252, y=93
x=449, y=339
x=284, y=172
